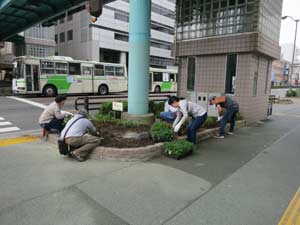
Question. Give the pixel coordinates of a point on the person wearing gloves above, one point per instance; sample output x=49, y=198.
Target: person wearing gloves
x=169, y=113
x=184, y=109
x=232, y=108
x=52, y=117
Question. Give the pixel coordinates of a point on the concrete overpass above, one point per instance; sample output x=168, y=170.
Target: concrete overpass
x=18, y=15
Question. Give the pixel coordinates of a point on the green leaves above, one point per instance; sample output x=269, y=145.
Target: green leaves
x=178, y=148
x=161, y=132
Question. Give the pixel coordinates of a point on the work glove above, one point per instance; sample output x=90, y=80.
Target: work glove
x=219, y=118
x=177, y=128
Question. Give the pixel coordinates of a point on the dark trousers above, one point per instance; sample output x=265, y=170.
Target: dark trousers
x=194, y=125
x=229, y=116
x=54, y=124
x=168, y=116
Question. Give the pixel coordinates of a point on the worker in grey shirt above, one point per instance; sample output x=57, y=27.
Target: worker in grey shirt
x=184, y=109
x=77, y=136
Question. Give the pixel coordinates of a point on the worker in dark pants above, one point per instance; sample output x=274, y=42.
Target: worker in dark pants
x=184, y=109
x=231, y=109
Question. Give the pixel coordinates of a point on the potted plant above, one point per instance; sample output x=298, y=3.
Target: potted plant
x=178, y=149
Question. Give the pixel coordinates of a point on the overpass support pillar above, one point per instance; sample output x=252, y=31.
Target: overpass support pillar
x=139, y=56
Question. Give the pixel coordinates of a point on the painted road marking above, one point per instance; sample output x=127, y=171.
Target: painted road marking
x=39, y=105
x=292, y=214
x=9, y=129
x=18, y=140
x=5, y=123
x=1, y=118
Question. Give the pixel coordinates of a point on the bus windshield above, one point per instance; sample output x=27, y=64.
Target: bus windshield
x=18, y=70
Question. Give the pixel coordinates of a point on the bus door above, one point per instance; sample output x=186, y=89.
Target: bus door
x=75, y=78
x=150, y=81
x=32, y=78
x=87, y=78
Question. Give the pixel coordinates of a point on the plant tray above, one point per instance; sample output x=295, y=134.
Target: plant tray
x=178, y=157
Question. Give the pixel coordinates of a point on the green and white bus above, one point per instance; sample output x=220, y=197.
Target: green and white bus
x=63, y=75
x=162, y=80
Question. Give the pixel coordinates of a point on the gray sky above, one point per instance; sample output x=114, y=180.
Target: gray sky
x=290, y=8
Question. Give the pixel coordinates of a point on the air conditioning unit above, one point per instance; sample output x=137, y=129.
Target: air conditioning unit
x=203, y=100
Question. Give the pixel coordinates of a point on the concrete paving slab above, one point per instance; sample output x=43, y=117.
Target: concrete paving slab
x=145, y=194
x=34, y=169
x=66, y=207
x=258, y=193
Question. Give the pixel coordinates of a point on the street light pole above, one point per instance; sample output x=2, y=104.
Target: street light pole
x=292, y=69
x=294, y=50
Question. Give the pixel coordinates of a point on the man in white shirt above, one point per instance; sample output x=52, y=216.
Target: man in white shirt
x=169, y=113
x=52, y=117
x=75, y=135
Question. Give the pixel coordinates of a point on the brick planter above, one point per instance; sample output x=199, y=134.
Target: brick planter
x=142, y=153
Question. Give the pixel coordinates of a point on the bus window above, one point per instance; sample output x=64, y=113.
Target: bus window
x=86, y=71
x=157, y=77
x=61, y=68
x=48, y=67
x=172, y=77
x=119, y=71
x=74, y=69
x=18, y=70
x=109, y=71
x=99, y=70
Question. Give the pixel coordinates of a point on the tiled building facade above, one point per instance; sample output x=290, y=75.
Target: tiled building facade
x=227, y=46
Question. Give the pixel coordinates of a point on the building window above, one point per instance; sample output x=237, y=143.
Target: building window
x=197, y=19
x=121, y=37
x=255, y=78
x=267, y=77
x=55, y=38
x=161, y=45
x=62, y=37
x=122, y=16
x=62, y=20
x=70, y=35
x=191, y=73
x=74, y=69
x=230, y=83
x=70, y=17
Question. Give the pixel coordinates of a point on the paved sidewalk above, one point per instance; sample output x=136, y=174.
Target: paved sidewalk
x=245, y=179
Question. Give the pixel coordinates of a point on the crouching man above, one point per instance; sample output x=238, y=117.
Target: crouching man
x=75, y=135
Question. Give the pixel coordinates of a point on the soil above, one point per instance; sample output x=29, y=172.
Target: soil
x=112, y=135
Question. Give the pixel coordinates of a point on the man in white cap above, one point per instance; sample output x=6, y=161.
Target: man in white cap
x=75, y=135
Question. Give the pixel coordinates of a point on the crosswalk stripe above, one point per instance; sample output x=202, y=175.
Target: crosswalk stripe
x=1, y=118
x=5, y=123
x=9, y=129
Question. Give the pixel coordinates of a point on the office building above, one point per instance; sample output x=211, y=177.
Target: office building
x=107, y=39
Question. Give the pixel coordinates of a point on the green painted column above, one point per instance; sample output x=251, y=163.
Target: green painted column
x=139, y=56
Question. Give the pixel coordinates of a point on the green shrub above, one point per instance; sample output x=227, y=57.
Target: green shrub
x=106, y=108
x=211, y=121
x=291, y=93
x=156, y=107
x=178, y=147
x=100, y=118
x=161, y=131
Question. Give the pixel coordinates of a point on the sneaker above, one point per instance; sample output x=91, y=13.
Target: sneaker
x=219, y=137
x=77, y=157
x=230, y=133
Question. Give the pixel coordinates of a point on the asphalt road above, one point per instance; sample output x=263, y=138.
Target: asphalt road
x=246, y=179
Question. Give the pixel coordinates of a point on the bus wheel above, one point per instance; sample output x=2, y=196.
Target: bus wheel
x=157, y=89
x=103, y=90
x=49, y=91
